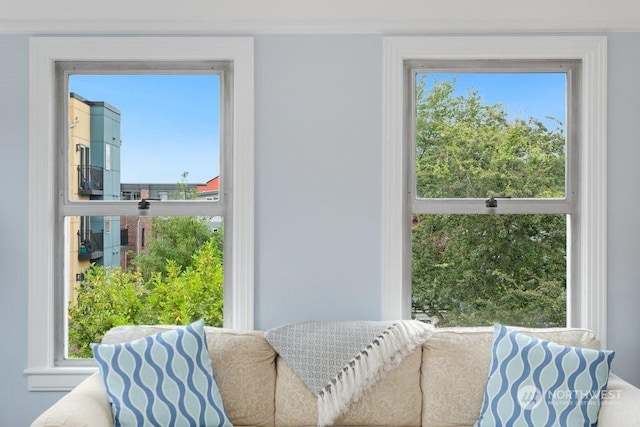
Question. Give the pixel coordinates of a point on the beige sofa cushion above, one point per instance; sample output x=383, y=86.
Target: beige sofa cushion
x=243, y=364
x=85, y=405
x=394, y=401
x=620, y=404
x=455, y=365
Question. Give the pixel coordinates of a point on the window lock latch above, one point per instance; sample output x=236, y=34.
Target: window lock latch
x=144, y=204
x=492, y=202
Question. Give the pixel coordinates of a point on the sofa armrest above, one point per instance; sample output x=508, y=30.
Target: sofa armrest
x=620, y=404
x=84, y=406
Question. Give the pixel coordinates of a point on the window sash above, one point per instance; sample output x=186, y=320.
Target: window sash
x=505, y=206
x=572, y=69
x=64, y=69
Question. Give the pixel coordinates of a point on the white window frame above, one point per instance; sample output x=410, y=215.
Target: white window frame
x=42, y=372
x=587, y=302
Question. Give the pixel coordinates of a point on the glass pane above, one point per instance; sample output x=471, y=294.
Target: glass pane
x=147, y=270
x=490, y=134
x=144, y=136
x=479, y=269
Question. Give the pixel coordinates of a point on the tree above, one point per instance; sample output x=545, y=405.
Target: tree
x=183, y=192
x=197, y=292
x=109, y=297
x=174, y=238
x=479, y=269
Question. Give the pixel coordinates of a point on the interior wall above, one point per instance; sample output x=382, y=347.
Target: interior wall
x=18, y=407
x=623, y=225
x=318, y=157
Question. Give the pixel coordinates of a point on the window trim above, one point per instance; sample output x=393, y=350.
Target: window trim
x=587, y=306
x=42, y=373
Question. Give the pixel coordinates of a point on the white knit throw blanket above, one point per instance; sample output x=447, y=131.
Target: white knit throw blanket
x=340, y=361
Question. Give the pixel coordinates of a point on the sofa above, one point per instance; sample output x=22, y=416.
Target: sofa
x=439, y=384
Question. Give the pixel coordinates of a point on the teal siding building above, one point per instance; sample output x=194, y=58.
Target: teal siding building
x=100, y=180
x=105, y=153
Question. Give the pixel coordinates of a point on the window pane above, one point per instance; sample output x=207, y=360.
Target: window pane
x=153, y=135
x=154, y=270
x=490, y=134
x=138, y=137
x=480, y=269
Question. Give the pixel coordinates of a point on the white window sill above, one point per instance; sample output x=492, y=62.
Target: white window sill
x=57, y=379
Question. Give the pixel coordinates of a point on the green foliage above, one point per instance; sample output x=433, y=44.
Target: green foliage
x=182, y=191
x=174, y=294
x=107, y=297
x=479, y=269
x=186, y=296
x=465, y=148
x=176, y=239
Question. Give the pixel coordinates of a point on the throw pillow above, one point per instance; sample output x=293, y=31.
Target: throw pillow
x=162, y=380
x=535, y=382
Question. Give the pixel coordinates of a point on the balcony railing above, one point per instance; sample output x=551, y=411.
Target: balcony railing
x=90, y=180
x=90, y=245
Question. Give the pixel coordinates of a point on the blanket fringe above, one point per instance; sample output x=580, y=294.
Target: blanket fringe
x=385, y=353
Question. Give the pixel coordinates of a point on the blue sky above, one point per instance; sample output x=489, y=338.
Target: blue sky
x=523, y=95
x=170, y=124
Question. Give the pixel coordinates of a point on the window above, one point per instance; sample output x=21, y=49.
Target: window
x=92, y=202
x=411, y=197
x=171, y=114
x=492, y=149
x=130, y=195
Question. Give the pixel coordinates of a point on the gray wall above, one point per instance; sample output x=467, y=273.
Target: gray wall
x=623, y=213
x=18, y=407
x=318, y=157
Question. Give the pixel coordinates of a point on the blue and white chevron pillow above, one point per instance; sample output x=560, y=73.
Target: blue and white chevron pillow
x=162, y=380
x=535, y=382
